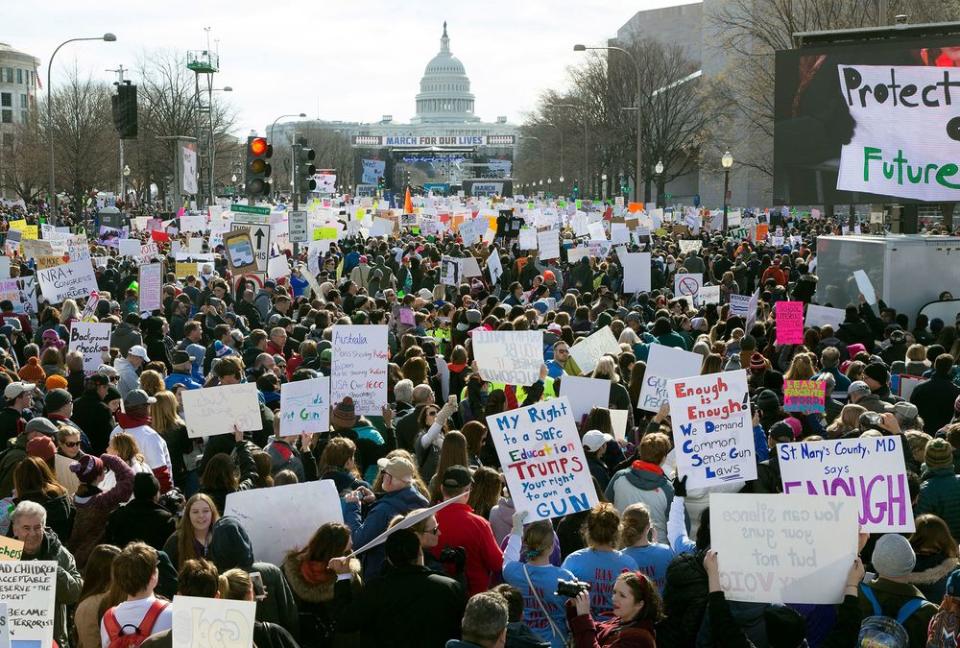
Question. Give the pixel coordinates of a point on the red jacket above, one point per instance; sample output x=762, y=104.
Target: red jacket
x=776, y=273
x=609, y=634
x=461, y=527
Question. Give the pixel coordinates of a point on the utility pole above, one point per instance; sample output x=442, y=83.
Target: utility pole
x=119, y=82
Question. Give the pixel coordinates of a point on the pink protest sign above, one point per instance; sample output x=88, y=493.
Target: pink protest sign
x=789, y=322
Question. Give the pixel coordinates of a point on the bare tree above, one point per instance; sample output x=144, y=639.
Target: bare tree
x=25, y=161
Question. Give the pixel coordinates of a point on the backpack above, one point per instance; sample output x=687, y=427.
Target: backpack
x=140, y=633
x=883, y=630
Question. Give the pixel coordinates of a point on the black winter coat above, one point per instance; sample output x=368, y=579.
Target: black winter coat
x=685, y=595
x=143, y=520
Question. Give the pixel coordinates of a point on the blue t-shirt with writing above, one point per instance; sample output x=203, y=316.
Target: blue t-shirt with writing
x=544, y=579
x=600, y=569
x=652, y=561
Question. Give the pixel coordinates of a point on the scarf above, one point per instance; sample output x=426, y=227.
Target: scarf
x=126, y=421
x=315, y=572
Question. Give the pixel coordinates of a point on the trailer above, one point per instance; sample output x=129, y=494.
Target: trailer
x=907, y=271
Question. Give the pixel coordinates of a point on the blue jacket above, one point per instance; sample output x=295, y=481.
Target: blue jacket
x=186, y=380
x=378, y=517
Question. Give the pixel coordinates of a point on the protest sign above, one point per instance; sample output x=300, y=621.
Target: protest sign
x=151, y=287
x=713, y=428
x=510, y=357
x=818, y=316
x=789, y=316
x=783, y=548
x=908, y=384
x=636, y=272
x=587, y=352
x=278, y=267
x=10, y=549
x=688, y=245
x=708, y=295
x=470, y=267
x=131, y=248
x=37, y=249
x=451, y=270
x=870, y=469
x=91, y=340
x=215, y=410
x=618, y=421
x=359, y=368
x=200, y=622
x=543, y=460
x=549, y=244
x=67, y=281
x=687, y=285
x=284, y=518
x=528, y=239
x=584, y=394
x=664, y=364
x=865, y=286
x=4, y=626
x=804, y=396
x=305, y=406
x=494, y=266
x=22, y=293
x=29, y=588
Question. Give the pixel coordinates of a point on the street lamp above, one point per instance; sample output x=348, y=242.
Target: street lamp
x=603, y=186
x=109, y=38
x=123, y=182
x=636, y=67
x=659, y=171
x=726, y=162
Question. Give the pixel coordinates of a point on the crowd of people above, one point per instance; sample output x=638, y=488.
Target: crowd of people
x=98, y=472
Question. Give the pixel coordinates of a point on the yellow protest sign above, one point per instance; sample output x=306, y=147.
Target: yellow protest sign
x=44, y=262
x=10, y=549
x=325, y=234
x=185, y=268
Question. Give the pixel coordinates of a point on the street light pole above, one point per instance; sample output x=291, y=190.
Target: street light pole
x=108, y=37
x=270, y=131
x=636, y=67
x=726, y=162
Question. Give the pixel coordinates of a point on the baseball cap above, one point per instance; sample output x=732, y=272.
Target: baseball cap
x=138, y=397
x=457, y=477
x=593, y=440
x=858, y=387
x=14, y=389
x=139, y=351
x=397, y=467
x=40, y=424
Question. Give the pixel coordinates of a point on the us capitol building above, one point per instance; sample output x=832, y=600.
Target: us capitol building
x=444, y=148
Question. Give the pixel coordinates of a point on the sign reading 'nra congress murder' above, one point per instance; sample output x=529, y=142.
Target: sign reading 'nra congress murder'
x=543, y=460
x=712, y=428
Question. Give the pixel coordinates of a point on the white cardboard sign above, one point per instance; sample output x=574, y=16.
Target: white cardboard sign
x=215, y=410
x=91, y=340
x=664, y=364
x=585, y=394
x=205, y=622
x=305, y=406
x=587, y=352
x=68, y=281
x=510, y=357
x=359, y=367
x=29, y=588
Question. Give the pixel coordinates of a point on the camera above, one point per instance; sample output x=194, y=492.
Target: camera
x=571, y=588
x=870, y=421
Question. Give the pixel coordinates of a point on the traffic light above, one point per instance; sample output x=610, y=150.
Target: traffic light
x=381, y=183
x=576, y=189
x=258, y=169
x=304, y=170
x=124, y=108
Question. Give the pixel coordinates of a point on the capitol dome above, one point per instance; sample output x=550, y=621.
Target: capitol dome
x=445, y=89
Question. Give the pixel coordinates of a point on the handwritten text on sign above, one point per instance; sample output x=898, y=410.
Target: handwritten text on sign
x=305, y=406
x=29, y=589
x=783, y=548
x=871, y=470
x=663, y=364
x=359, y=367
x=92, y=341
x=511, y=357
x=805, y=396
x=67, y=281
x=712, y=428
x=215, y=410
x=789, y=322
x=543, y=460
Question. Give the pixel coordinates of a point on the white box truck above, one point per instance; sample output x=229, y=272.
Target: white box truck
x=907, y=271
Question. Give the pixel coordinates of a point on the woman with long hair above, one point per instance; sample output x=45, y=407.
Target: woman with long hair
x=619, y=396
x=712, y=364
x=847, y=422
x=125, y=446
x=485, y=491
x=185, y=452
x=801, y=368
x=311, y=578
x=338, y=462
x=453, y=452
x=221, y=476
x=34, y=481
x=937, y=556
x=193, y=535
x=51, y=361
x=600, y=561
x=526, y=566
x=638, y=539
x=96, y=583
x=476, y=435
x=152, y=382
x=637, y=607
x=433, y=426
x=472, y=406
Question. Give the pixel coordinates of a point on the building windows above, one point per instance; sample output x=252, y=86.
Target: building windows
x=24, y=117
x=6, y=99
x=19, y=76
x=23, y=102
x=6, y=116
x=8, y=74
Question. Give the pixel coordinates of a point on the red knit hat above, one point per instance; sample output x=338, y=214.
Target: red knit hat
x=32, y=371
x=41, y=446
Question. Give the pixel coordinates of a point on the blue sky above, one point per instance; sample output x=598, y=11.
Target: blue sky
x=344, y=60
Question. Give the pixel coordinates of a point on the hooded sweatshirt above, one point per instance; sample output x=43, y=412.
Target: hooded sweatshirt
x=381, y=512
x=230, y=548
x=643, y=482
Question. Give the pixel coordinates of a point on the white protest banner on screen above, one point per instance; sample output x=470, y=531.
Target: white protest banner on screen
x=636, y=272
x=22, y=292
x=870, y=469
x=543, y=461
x=278, y=267
x=200, y=622
x=818, y=316
x=510, y=357
x=587, y=352
x=131, y=248
x=687, y=285
x=712, y=428
x=359, y=367
x=910, y=137
x=688, y=245
x=215, y=410
x=92, y=341
x=494, y=266
x=708, y=295
x=549, y=243
x=584, y=394
x=151, y=287
x=664, y=364
x=305, y=406
x=470, y=267
x=528, y=239
x=865, y=286
x=67, y=281
x=29, y=588
x=284, y=518
x=783, y=548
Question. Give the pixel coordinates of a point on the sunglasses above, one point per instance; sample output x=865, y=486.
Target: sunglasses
x=71, y=444
x=434, y=531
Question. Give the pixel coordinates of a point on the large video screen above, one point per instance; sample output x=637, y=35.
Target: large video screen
x=868, y=122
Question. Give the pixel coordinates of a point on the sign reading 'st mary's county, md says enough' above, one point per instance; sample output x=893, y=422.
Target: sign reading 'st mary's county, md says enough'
x=542, y=459
x=712, y=428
